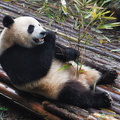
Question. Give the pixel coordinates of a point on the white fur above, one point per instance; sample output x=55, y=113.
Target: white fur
x=54, y=81
x=26, y=39
x=6, y=40
x=18, y=33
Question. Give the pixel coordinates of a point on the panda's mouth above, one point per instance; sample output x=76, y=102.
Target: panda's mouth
x=38, y=41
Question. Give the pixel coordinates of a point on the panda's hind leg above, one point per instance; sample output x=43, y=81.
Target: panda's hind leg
x=107, y=75
x=76, y=94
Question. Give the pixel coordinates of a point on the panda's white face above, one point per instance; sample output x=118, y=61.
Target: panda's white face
x=27, y=31
x=24, y=31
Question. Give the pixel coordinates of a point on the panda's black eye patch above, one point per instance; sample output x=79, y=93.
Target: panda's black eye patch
x=30, y=29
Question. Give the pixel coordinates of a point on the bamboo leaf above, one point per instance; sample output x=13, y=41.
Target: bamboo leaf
x=64, y=67
x=101, y=41
x=106, y=38
x=93, y=14
x=115, y=50
x=95, y=30
x=109, y=18
x=109, y=26
x=7, y=0
x=81, y=71
x=64, y=7
x=3, y=109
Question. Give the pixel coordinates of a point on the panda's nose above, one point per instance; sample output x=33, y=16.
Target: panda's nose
x=43, y=33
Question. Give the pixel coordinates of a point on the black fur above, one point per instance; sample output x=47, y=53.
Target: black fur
x=31, y=29
x=108, y=76
x=75, y=94
x=7, y=21
x=65, y=53
x=24, y=65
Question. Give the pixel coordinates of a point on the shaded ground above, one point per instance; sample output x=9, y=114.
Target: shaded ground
x=100, y=54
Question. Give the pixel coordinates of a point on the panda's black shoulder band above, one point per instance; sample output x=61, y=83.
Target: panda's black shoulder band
x=8, y=21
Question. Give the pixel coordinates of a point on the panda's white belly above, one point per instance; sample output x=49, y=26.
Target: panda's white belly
x=52, y=83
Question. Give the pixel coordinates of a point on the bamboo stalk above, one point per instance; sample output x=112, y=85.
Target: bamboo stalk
x=109, y=88
x=78, y=111
x=104, y=112
x=104, y=117
x=98, y=51
x=64, y=114
x=101, y=63
x=116, y=109
x=33, y=106
x=103, y=89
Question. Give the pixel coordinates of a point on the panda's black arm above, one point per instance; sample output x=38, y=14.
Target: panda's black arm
x=64, y=53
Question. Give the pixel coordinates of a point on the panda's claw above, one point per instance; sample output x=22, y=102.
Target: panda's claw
x=108, y=99
x=109, y=96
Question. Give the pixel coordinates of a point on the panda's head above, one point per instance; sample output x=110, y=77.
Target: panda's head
x=25, y=31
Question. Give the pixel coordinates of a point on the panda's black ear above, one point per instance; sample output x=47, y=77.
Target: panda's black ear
x=8, y=21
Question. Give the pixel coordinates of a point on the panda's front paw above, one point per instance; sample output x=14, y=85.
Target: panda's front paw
x=77, y=54
x=72, y=54
x=108, y=77
x=50, y=36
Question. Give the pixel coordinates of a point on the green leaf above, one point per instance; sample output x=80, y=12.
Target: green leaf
x=64, y=7
x=115, y=50
x=106, y=38
x=7, y=0
x=109, y=26
x=3, y=109
x=64, y=67
x=64, y=10
x=81, y=71
x=95, y=30
x=101, y=41
x=109, y=18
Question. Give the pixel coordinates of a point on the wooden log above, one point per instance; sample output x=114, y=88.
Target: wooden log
x=104, y=117
x=104, y=111
x=116, y=109
x=76, y=110
x=64, y=114
x=26, y=101
x=114, y=95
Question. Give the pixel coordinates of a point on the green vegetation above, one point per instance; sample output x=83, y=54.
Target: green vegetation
x=2, y=110
x=87, y=15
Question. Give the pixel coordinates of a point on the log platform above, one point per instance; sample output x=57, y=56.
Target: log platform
x=100, y=54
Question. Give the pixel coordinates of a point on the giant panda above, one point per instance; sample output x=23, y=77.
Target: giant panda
x=32, y=60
